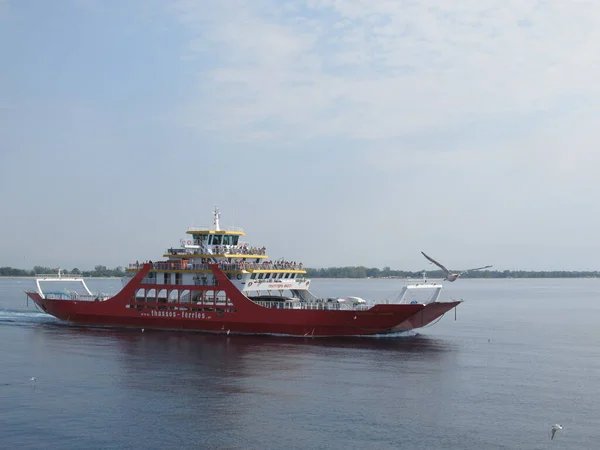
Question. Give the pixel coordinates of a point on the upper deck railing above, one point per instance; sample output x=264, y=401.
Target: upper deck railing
x=235, y=266
x=217, y=250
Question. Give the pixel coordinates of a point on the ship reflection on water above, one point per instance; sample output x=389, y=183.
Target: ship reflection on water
x=189, y=347
x=217, y=358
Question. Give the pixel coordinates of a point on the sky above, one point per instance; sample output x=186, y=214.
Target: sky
x=335, y=132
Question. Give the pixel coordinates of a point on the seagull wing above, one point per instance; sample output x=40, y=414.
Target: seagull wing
x=476, y=268
x=553, y=433
x=441, y=266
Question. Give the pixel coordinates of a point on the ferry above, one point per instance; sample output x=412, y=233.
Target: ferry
x=215, y=282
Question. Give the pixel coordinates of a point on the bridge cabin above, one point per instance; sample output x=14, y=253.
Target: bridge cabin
x=249, y=268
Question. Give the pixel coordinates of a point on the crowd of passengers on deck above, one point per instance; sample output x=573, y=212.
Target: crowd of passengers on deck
x=277, y=265
x=239, y=250
x=238, y=265
x=223, y=250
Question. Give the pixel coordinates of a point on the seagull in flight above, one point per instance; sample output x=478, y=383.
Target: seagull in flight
x=554, y=429
x=449, y=275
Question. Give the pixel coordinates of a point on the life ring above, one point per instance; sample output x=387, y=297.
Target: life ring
x=250, y=284
x=239, y=276
x=189, y=242
x=307, y=283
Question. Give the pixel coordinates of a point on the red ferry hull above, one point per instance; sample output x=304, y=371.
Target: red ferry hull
x=428, y=315
x=246, y=318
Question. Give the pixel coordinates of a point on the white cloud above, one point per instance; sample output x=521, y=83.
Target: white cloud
x=471, y=128
x=382, y=69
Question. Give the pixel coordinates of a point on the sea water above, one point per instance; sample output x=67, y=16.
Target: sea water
x=521, y=356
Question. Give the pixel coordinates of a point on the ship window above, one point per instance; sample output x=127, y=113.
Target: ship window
x=167, y=278
x=293, y=275
x=235, y=239
x=184, y=296
x=280, y=275
x=287, y=275
x=267, y=275
x=217, y=239
x=210, y=239
x=260, y=276
x=227, y=239
x=253, y=276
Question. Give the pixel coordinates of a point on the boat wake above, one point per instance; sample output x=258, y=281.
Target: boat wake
x=8, y=316
x=397, y=334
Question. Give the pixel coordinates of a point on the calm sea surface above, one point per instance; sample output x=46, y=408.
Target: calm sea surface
x=521, y=356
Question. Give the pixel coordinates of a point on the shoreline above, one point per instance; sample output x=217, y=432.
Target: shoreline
x=462, y=278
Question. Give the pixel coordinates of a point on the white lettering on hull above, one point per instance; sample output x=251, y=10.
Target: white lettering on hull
x=179, y=314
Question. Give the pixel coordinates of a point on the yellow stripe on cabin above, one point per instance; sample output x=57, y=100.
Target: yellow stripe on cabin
x=207, y=232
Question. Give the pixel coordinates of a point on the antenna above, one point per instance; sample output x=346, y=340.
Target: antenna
x=216, y=219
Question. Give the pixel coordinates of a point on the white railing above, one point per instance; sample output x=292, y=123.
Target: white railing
x=77, y=297
x=57, y=276
x=327, y=306
x=423, y=292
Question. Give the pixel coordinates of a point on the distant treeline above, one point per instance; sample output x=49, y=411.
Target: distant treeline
x=99, y=271
x=372, y=272
x=331, y=272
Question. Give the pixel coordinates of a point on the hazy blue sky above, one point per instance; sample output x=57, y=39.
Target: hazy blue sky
x=335, y=132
